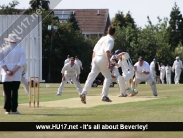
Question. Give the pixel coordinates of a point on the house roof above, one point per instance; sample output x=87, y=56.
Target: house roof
x=89, y=20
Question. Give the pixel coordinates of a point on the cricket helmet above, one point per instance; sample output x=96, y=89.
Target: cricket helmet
x=118, y=51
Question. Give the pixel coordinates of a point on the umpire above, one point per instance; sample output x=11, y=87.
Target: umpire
x=12, y=57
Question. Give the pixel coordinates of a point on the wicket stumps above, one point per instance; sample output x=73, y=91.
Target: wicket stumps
x=33, y=83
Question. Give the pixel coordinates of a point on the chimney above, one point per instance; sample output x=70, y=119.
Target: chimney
x=98, y=13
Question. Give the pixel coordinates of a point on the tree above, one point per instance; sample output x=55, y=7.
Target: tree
x=45, y=4
x=123, y=21
x=36, y=4
x=119, y=19
x=126, y=40
x=175, y=29
x=67, y=41
x=10, y=9
x=74, y=22
x=130, y=20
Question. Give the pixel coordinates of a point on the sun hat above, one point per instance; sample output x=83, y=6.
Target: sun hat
x=177, y=57
x=13, y=38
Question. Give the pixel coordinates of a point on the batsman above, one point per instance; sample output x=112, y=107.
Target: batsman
x=125, y=63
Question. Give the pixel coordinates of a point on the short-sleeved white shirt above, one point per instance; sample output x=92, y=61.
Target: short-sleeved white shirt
x=145, y=67
x=106, y=43
x=67, y=61
x=177, y=64
x=152, y=66
x=162, y=69
x=78, y=62
x=168, y=69
x=70, y=70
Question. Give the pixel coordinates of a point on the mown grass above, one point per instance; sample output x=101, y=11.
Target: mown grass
x=167, y=108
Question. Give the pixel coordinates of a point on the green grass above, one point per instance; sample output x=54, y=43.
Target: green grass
x=169, y=108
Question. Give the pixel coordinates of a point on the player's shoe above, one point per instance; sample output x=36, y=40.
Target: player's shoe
x=17, y=112
x=131, y=91
x=106, y=99
x=6, y=113
x=83, y=98
x=122, y=95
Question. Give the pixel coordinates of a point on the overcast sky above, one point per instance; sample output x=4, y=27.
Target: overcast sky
x=139, y=9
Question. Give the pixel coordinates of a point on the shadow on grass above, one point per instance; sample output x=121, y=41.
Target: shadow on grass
x=59, y=114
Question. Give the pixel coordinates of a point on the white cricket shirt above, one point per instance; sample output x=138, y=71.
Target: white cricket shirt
x=145, y=67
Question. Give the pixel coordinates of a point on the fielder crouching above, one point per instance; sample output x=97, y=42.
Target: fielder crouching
x=142, y=70
x=70, y=71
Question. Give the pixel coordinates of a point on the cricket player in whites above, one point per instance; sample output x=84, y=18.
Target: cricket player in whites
x=127, y=73
x=153, y=69
x=101, y=63
x=69, y=71
x=142, y=70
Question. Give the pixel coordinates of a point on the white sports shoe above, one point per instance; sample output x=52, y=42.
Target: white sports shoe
x=6, y=113
x=131, y=91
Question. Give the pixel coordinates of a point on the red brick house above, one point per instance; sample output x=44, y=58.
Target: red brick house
x=91, y=21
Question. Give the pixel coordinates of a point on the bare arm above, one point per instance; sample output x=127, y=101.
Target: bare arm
x=120, y=54
x=145, y=72
x=6, y=70
x=63, y=77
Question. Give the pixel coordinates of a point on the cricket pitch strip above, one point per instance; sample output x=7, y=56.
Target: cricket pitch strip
x=92, y=101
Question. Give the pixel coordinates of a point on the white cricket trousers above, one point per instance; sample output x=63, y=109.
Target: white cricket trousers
x=153, y=73
x=76, y=83
x=99, y=64
x=149, y=81
x=125, y=79
x=162, y=76
x=177, y=75
x=122, y=85
x=168, y=78
x=129, y=75
x=25, y=84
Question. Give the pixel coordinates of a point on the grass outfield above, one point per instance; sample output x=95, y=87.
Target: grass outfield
x=168, y=107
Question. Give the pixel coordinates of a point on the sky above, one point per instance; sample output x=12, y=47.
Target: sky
x=139, y=9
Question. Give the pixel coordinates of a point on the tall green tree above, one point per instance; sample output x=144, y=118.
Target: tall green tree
x=66, y=41
x=123, y=20
x=119, y=19
x=130, y=20
x=35, y=4
x=74, y=22
x=175, y=29
x=10, y=8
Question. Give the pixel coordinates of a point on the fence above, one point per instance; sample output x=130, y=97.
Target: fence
x=30, y=29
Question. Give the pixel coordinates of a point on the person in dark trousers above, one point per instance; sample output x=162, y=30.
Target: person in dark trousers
x=12, y=57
